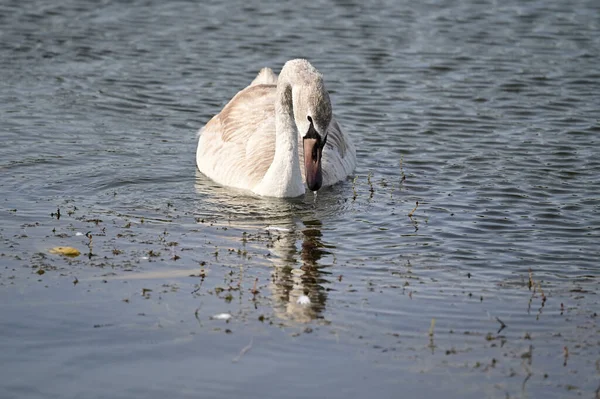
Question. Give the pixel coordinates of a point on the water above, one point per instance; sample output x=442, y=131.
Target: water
x=484, y=113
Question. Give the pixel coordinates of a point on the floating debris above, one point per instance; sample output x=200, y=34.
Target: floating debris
x=243, y=351
x=410, y=214
x=222, y=316
x=275, y=228
x=254, y=289
x=303, y=300
x=56, y=215
x=371, y=189
x=502, y=325
x=431, y=327
x=79, y=233
x=66, y=251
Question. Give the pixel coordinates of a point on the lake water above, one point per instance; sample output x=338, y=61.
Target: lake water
x=485, y=113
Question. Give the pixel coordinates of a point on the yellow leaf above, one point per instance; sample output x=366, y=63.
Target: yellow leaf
x=67, y=251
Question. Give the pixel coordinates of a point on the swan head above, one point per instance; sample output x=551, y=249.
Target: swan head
x=312, y=114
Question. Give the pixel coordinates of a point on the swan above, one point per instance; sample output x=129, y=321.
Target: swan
x=257, y=140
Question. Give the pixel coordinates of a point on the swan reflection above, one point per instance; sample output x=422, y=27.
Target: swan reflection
x=292, y=235
x=290, y=284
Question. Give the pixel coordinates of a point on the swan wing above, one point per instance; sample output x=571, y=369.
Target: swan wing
x=237, y=146
x=339, y=155
x=266, y=76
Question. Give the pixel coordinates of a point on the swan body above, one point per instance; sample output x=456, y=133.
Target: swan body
x=258, y=140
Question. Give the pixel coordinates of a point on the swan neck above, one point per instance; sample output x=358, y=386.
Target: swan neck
x=284, y=178
x=286, y=133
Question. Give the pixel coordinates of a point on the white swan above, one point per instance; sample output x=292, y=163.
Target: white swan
x=256, y=141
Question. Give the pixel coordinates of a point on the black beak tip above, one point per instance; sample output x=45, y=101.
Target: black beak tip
x=315, y=185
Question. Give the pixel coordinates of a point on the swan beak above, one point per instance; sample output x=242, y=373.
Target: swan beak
x=312, y=162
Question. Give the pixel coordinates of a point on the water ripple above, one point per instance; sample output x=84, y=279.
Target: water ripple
x=486, y=114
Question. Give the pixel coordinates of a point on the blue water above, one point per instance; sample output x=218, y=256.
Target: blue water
x=484, y=113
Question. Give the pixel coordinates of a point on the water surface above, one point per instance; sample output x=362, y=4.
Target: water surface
x=484, y=113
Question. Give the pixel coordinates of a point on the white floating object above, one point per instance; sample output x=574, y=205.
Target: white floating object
x=144, y=258
x=222, y=316
x=275, y=228
x=79, y=233
x=303, y=300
